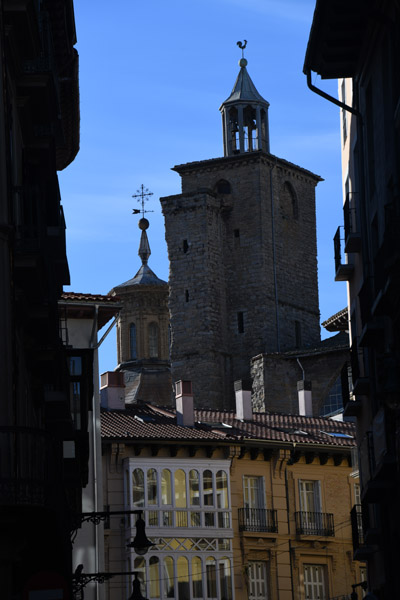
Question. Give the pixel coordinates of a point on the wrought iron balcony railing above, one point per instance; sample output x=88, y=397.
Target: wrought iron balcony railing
x=351, y=226
x=343, y=270
x=314, y=523
x=257, y=519
x=357, y=526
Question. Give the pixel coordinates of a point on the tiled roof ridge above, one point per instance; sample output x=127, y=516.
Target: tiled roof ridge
x=83, y=296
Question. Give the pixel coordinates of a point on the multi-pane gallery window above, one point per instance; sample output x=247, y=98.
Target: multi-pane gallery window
x=258, y=585
x=314, y=582
x=185, y=576
x=180, y=497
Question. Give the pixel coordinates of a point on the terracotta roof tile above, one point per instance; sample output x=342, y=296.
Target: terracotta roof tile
x=79, y=297
x=146, y=422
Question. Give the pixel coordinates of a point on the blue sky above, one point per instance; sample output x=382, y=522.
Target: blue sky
x=152, y=77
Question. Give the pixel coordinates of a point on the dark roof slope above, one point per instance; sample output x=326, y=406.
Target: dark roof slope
x=145, y=422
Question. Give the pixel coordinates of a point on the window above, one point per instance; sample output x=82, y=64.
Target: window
x=255, y=515
x=314, y=582
x=363, y=577
x=258, y=585
x=181, y=497
x=357, y=493
x=185, y=577
x=310, y=497
x=236, y=238
x=240, y=322
x=137, y=488
x=253, y=491
x=132, y=340
x=81, y=386
x=185, y=246
x=311, y=520
x=223, y=187
x=288, y=202
x=153, y=340
x=334, y=402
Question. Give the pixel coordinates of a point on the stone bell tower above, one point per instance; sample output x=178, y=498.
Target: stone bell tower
x=243, y=257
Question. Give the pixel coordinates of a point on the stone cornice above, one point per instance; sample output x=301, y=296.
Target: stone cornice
x=239, y=160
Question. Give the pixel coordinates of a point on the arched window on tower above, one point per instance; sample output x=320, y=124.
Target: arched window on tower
x=153, y=340
x=132, y=341
x=289, y=203
x=222, y=187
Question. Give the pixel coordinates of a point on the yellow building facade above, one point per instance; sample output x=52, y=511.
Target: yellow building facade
x=237, y=510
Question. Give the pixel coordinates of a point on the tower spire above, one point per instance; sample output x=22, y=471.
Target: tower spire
x=143, y=194
x=244, y=115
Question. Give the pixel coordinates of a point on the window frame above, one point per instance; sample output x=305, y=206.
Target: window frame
x=158, y=516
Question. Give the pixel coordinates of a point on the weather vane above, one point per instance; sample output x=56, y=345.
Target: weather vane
x=242, y=46
x=143, y=196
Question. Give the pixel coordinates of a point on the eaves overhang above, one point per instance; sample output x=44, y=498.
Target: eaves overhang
x=336, y=38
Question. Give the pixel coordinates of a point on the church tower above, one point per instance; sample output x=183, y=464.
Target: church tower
x=143, y=332
x=243, y=258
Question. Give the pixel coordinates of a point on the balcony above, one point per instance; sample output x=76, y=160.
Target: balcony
x=314, y=523
x=257, y=519
x=176, y=518
x=361, y=549
x=352, y=237
x=357, y=526
x=343, y=270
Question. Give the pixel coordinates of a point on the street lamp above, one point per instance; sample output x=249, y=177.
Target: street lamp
x=141, y=543
x=136, y=592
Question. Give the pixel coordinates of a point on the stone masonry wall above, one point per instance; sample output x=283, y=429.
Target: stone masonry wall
x=243, y=268
x=275, y=378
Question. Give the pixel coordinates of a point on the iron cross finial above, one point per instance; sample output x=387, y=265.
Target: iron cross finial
x=242, y=46
x=142, y=195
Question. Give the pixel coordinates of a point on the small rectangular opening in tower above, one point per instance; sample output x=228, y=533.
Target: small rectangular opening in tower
x=187, y=295
x=240, y=322
x=236, y=237
x=185, y=246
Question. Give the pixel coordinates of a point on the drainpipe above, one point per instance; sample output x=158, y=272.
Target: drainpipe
x=301, y=367
x=316, y=90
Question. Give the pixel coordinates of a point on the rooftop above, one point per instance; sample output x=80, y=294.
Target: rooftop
x=143, y=422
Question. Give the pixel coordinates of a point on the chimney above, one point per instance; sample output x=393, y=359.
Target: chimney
x=305, y=398
x=184, y=403
x=112, y=390
x=244, y=410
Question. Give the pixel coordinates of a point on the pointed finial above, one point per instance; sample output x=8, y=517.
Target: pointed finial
x=143, y=194
x=242, y=46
